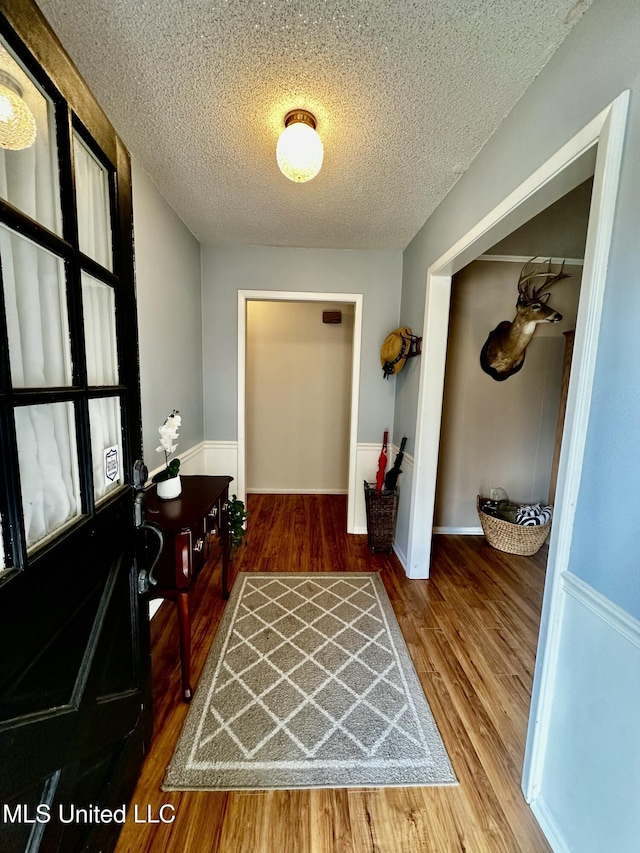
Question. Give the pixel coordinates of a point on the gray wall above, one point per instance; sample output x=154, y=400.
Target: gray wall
x=596, y=63
x=167, y=259
x=226, y=270
x=590, y=755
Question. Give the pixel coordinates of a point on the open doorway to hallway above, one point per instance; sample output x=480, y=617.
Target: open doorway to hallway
x=355, y=303
x=603, y=136
x=508, y=433
x=298, y=396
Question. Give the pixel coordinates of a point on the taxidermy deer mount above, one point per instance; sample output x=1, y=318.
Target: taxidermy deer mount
x=504, y=350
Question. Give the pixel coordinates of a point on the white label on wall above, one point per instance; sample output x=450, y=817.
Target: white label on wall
x=111, y=464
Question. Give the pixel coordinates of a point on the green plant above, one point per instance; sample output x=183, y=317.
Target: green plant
x=237, y=515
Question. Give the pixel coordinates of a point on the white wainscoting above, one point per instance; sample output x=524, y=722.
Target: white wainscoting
x=591, y=736
x=208, y=457
x=367, y=469
x=459, y=531
x=195, y=461
x=221, y=457
x=191, y=461
x=404, y=484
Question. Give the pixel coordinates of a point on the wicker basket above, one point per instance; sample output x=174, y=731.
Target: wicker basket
x=512, y=538
x=382, y=512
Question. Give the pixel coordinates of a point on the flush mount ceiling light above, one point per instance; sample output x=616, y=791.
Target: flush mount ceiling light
x=299, y=150
x=17, y=124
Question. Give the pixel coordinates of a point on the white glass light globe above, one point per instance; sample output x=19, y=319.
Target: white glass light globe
x=299, y=152
x=17, y=124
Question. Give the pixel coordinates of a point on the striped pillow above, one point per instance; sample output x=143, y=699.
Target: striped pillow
x=532, y=515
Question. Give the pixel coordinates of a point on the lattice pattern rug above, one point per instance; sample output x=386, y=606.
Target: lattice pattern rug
x=308, y=684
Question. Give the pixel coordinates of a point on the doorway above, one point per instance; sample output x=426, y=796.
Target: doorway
x=505, y=434
x=355, y=301
x=298, y=395
x=571, y=165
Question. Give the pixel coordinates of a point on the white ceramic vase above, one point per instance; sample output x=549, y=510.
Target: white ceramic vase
x=169, y=489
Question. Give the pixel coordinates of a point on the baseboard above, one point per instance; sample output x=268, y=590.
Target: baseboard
x=401, y=545
x=221, y=457
x=549, y=827
x=366, y=468
x=251, y=491
x=402, y=557
x=459, y=531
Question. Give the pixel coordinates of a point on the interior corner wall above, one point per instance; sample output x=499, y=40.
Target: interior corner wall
x=167, y=268
x=227, y=269
x=595, y=64
x=498, y=433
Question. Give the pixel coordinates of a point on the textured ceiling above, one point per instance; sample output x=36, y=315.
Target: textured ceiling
x=405, y=93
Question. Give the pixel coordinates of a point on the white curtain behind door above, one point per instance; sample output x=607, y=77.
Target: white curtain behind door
x=35, y=305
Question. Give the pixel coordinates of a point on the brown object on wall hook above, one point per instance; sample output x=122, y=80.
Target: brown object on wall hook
x=397, y=347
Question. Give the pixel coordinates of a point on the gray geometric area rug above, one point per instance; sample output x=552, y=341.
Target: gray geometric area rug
x=308, y=684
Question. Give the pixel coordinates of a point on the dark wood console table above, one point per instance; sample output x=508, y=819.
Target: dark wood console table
x=186, y=521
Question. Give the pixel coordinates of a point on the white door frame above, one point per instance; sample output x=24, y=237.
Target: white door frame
x=355, y=299
x=605, y=134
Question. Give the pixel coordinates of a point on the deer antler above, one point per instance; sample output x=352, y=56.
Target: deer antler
x=549, y=280
x=524, y=280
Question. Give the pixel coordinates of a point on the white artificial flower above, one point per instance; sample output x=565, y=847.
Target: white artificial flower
x=168, y=433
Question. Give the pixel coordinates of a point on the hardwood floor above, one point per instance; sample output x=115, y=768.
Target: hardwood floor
x=472, y=632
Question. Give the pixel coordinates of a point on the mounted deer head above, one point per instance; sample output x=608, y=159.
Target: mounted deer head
x=504, y=350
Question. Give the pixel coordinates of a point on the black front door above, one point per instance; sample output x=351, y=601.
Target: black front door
x=75, y=715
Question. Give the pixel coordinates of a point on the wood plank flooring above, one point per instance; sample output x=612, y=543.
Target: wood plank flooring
x=472, y=632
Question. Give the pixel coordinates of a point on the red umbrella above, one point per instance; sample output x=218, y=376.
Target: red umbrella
x=382, y=464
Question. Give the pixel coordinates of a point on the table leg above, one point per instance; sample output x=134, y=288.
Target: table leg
x=184, y=625
x=224, y=542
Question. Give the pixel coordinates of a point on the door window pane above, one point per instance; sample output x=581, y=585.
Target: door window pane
x=94, y=214
x=28, y=176
x=106, y=445
x=48, y=468
x=36, y=311
x=99, y=310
